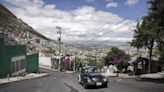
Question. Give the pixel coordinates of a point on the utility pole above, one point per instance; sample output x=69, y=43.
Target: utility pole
x=74, y=68
x=74, y=63
x=59, y=40
x=97, y=56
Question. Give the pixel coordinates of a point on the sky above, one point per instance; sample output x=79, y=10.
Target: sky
x=101, y=22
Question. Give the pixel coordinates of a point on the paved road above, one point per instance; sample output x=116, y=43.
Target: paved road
x=62, y=82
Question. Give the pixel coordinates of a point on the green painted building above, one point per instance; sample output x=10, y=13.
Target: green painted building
x=14, y=59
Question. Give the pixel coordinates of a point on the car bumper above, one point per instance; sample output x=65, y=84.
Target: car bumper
x=96, y=83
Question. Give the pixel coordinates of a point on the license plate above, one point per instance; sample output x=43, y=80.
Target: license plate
x=98, y=83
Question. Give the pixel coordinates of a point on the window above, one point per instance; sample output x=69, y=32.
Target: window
x=22, y=64
x=13, y=67
x=18, y=65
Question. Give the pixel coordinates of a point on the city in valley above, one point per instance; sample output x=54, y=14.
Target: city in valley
x=81, y=45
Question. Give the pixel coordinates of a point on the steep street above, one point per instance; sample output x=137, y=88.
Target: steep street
x=63, y=82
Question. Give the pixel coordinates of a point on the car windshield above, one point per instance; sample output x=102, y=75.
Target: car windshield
x=92, y=70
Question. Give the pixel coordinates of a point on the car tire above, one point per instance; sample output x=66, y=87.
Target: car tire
x=105, y=85
x=85, y=86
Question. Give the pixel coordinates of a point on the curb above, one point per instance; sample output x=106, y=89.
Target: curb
x=23, y=79
x=128, y=77
x=49, y=68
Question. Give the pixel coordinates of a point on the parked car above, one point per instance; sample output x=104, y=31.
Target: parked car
x=91, y=76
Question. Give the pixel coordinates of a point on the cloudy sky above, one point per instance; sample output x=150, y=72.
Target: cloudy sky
x=107, y=22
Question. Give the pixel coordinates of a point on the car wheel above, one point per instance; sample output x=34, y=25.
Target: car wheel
x=85, y=86
x=105, y=85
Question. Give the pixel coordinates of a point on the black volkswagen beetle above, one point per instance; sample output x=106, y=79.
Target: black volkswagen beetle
x=91, y=76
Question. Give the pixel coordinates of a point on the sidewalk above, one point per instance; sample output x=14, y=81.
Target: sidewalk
x=28, y=76
x=127, y=76
x=69, y=71
x=154, y=77
x=56, y=69
x=48, y=68
x=159, y=75
x=120, y=75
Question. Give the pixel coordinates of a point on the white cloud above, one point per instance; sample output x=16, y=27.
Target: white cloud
x=111, y=4
x=131, y=2
x=82, y=24
x=117, y=39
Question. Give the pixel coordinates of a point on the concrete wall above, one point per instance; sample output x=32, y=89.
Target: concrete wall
x=45, y=61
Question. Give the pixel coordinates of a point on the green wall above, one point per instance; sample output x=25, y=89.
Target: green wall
x=1, y=55
x=6, y=53
x=9, y=51
x=32, y=64
x=12, y=51
x=15, y=50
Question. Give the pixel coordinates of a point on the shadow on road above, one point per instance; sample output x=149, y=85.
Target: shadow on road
x=159, y=81
x=96, y=87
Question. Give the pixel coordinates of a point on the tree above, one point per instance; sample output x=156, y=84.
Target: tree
x=50, y=51
x=145, y=36
x=92, y=62
x=118, y=57
x=157, y=14
x=137, y=41
x=78, y=63
x=149, y=32
x=161, y=53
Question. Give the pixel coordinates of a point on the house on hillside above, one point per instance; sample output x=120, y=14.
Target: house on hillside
x=141, y=66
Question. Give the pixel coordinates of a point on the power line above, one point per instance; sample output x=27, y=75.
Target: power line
x=106, y=29
x=117, y=24
x=117, y=34
x=123, y=24
x=126, y=18
x=122, y=33
x=117, y=28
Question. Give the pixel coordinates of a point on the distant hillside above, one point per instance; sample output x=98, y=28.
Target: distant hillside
x=8, y=19
x=21, y=33
x=5, y=12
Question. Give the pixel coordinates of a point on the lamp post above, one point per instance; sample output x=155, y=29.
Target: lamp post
x=59, y=40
